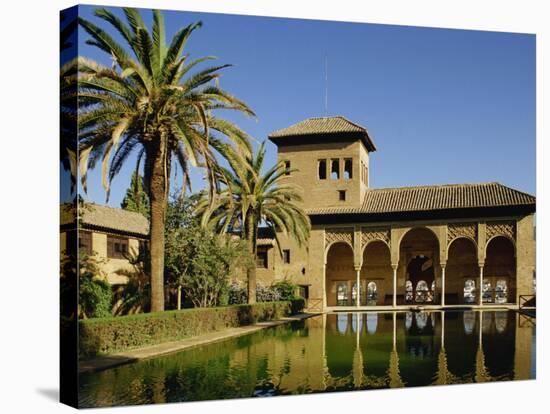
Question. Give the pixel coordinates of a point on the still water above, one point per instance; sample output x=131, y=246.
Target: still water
x=334, y=352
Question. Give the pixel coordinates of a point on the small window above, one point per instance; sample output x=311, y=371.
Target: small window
x=342, y=195
x=286, y=256
x=117, y=247
x=335, y=169
x=143, y=246
x=85, y=242
x=287, y=167
x=348, y=169
x=261, y=258
x=322, y=169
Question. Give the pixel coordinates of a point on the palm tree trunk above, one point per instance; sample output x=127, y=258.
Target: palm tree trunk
x=251, y=276
x=250, y=234
x=158, y=189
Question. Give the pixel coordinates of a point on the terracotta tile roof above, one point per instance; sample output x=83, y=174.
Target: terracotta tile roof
x=108, y=218
x=434, y=197
x=325, y=126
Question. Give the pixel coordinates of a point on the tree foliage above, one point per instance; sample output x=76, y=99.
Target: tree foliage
x=136, y=198
x=95, y=293
x=253, y=197
x=198, y=260
x=154, y=104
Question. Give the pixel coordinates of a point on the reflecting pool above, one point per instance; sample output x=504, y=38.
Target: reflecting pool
x=334, y=352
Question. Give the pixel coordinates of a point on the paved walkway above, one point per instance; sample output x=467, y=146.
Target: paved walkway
x=113, y=360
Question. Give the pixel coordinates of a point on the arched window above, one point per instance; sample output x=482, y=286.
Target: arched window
x=501, y=291
x=501, y=321
x=487, y=292
x=469, y=318
x=421, y=291
x=372, y=322
x=408, y=320
x=421, y=320
x=354, y=294
x=469, y=291
x=342, y=323
x=342, y=294
x=408, y=291
x=372, y=293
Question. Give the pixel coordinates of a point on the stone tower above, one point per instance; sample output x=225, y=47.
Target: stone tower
x=331, y=156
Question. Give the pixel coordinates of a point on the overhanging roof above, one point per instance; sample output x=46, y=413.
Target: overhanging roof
x=324, y=127
x=106, y=218
x=434, y=198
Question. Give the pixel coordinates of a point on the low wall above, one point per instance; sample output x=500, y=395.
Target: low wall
x=116, y=334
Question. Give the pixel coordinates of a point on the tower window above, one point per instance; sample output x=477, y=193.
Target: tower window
x=348, y=169
x=287, y=167
x=335, y=169
x=286, y=256
x=322, y=169
x=342, y=195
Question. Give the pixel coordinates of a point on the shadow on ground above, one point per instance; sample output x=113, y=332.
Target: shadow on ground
x=49, y=393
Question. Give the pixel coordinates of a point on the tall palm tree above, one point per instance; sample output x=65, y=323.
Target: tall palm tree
x=151, y=103
x=68, y=101
x=252, y=198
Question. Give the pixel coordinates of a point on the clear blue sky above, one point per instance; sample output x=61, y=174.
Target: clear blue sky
x=443, y=106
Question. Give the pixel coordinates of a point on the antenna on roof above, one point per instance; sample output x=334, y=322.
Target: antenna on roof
x=326, y=86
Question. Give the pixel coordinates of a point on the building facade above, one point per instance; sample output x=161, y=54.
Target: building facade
x=111, y=236
x=442, y=245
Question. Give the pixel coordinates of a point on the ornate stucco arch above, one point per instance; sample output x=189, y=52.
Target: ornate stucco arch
x=370, y=235
x=506, y=229
x=461, y=230
x=338, y=235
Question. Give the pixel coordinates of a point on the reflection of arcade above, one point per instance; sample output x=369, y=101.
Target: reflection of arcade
x=421, y=330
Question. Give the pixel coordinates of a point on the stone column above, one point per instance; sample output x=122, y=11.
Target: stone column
x=480, y=288
x=394, y=267
x=442, y=284
x=358, y=278
x=394, y=320
x=442, y=329
x=324, y=285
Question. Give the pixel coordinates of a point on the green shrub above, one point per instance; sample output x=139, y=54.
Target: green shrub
x=96, y=297
x=285, y=288
x=116, y=334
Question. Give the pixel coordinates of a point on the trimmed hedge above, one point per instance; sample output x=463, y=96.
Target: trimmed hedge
x=116, y=334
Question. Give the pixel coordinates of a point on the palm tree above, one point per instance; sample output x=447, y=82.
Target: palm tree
x=252, y=198
x=150, y=103
x=68, y=102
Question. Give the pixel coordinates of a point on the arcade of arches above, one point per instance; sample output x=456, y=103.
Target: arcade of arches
x=420, y=265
